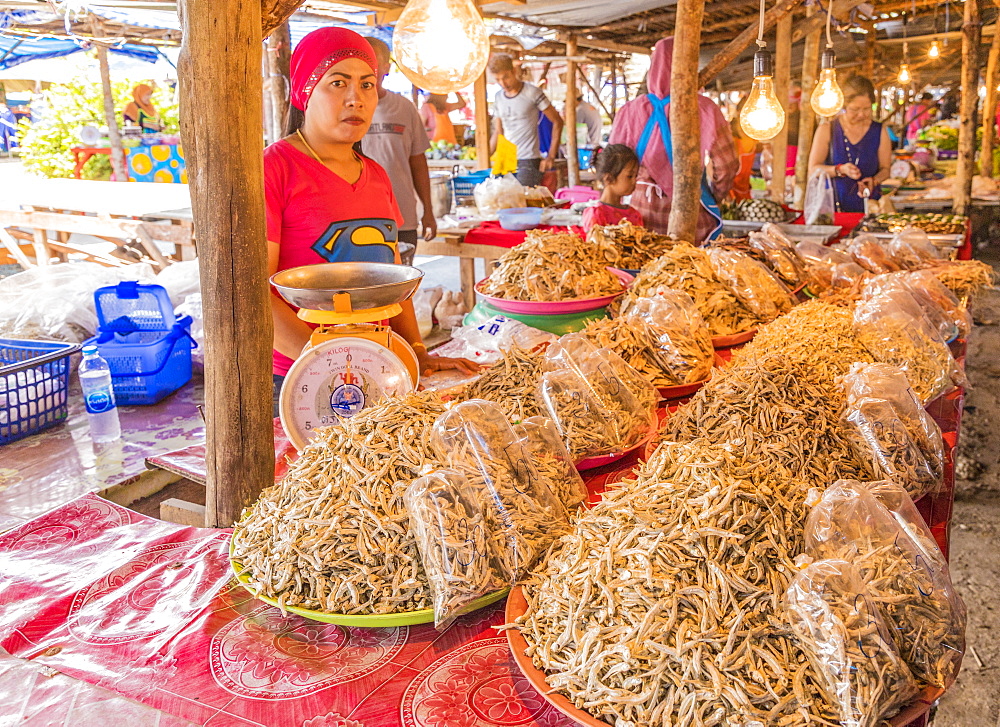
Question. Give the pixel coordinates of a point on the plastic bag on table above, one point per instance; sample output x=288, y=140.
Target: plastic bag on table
x=523, y=516
x=820, y=261
x=552, y=460
x=449, y=524
x=913, y=298
x=872, y=255
x=779, y=251
x=819, y=202
x=847, y=275
x=929, y=290
x=599, y=403
x=889, y=428
x=191, y=306
x=682, y=344
x=180, y=280
x=898, y=502
x=846, y=638
x=911, y=248
x=755, y=286
x=909, y=582
x=498, y=193
x=485, y=341
x=893, y=334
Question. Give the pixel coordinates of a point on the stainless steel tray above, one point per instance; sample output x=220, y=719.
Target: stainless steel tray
x=820, y=233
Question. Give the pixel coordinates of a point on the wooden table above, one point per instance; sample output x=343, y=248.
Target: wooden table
x=451, y=243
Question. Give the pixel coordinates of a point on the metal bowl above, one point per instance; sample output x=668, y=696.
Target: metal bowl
x=369, y=285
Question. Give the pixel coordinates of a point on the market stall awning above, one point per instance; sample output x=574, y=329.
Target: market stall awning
x=574, y=13
x=15, y=50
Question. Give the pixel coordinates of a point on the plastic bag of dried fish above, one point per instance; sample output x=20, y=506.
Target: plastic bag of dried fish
x=523, y=514
x=552, y=459
x=908, y=584
x=820, y=261
x=599, y=403
x=686, y=268
x=636, y=245
x=898, y=502
x=552, y=266
x=779, y=251
x=756, y=286
x=846, y=637
x=935, y=292
x=912, y=298
x=872, y=255
x=888, y=328
x=510, y=383
x=967, y=279
x=682, y=344
x=889, y=428
x=448, y=522
x=634, y=343
x=911, y=248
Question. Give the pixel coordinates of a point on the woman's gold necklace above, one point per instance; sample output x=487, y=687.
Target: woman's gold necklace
x=315, y=156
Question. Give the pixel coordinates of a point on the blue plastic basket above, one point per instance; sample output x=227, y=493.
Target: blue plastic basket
x=34, y=381
x=464, y=184
x=585, y=157
x=147, y=347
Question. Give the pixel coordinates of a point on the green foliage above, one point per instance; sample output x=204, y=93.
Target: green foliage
x=45, y=145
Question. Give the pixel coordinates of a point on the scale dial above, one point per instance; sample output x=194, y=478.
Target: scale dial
x=335, y=380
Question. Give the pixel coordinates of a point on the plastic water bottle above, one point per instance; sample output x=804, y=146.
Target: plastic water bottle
x=95, y=378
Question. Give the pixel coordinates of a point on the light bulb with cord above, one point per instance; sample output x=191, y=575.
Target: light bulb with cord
x=441, y=45
x=934, y=51
x=904, y=73
x=762, y=116
x=827, y=99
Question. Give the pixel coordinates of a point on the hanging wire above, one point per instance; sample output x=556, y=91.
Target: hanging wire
x=760, y=28
x=829, y=13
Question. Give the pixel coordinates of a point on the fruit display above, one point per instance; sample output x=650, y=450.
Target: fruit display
x=754, y=210
x=933, y=224
x=445, y=150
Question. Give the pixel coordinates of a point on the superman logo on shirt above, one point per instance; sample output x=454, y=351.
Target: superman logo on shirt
x=363, y=240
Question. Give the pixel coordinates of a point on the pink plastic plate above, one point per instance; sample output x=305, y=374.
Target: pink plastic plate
x=589, y=463
x=554, y=307
x=681, y=390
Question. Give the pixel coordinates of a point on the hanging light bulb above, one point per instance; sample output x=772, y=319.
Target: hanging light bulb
x=441, y=45
x=934, y=51
x=904, y=73
x=762, y=116
x=827, y=98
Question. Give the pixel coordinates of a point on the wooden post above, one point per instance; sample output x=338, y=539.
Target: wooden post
x=483, y=131
x=572, y=155
x=868, y=68
x=989, y=108
x=684, y=126
x=728, y=55
x=782, y=81
x=807, y=118
x=278, y=58
x=110, y=117
x=221, y=120
x=971, y=32
x=614, y=88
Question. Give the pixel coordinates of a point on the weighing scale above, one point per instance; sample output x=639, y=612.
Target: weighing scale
x=352, y=359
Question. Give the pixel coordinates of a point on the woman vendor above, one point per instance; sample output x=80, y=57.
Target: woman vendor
x=325, y=201
x=141, y=111
x=853, y=149
x=644, y=125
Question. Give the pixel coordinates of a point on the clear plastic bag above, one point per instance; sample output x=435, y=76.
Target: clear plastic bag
x=681, y=341
x=898, y=502
x=820, y=261
x=449, y=524
x=889, y=428
x=893, y=334
x=485, y=342
x=551, y=459
x=934, y=292
x=180, y=280
x=872, y=255
x=498, y=193
x=752, y=283
x=599, y=403
x=523, y=515
x=849, y=643
x=911, y=295
x=847, y=275
x=910, y=584
x=779, y=251
x=819, y=202
x=911, y=248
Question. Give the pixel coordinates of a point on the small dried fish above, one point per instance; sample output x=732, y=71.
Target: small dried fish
x=635, y=246
x=510, y=383
x=967, y=279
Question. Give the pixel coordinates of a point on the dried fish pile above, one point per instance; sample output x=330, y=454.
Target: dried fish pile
x=633, y=343
x=334, y=534
x=510, y=383
x=635, y=245
x=686, y=268
x=663, y=604
x=928, y=363
x=551, y=266
x=967, y=279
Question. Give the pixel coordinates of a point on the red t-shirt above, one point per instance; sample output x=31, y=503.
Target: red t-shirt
x=315, y=216
x=606, y=214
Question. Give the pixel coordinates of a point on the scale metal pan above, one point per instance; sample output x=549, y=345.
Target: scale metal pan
x=369, y=285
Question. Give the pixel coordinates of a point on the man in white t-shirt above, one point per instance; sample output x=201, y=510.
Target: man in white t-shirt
x=397, y=141
x=588, y=114
x=515, y=111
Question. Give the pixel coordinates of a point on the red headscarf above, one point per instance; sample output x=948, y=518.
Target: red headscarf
x=319, y=50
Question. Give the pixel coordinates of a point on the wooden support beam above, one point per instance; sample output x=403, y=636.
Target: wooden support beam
x=741, y=42
x=971, y=27
x=841, y=9
x=572, y=155
x=222, y=52
x=482, y=111
x=597, y=94
x=110, y=117
x=685, y=130
x=807, y=118
x=273, y=14
x=782, y=81
x=277, y=59
x=614, y=88
x=989, y=108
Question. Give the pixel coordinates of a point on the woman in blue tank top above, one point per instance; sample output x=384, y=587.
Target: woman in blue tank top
x=853, y=148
